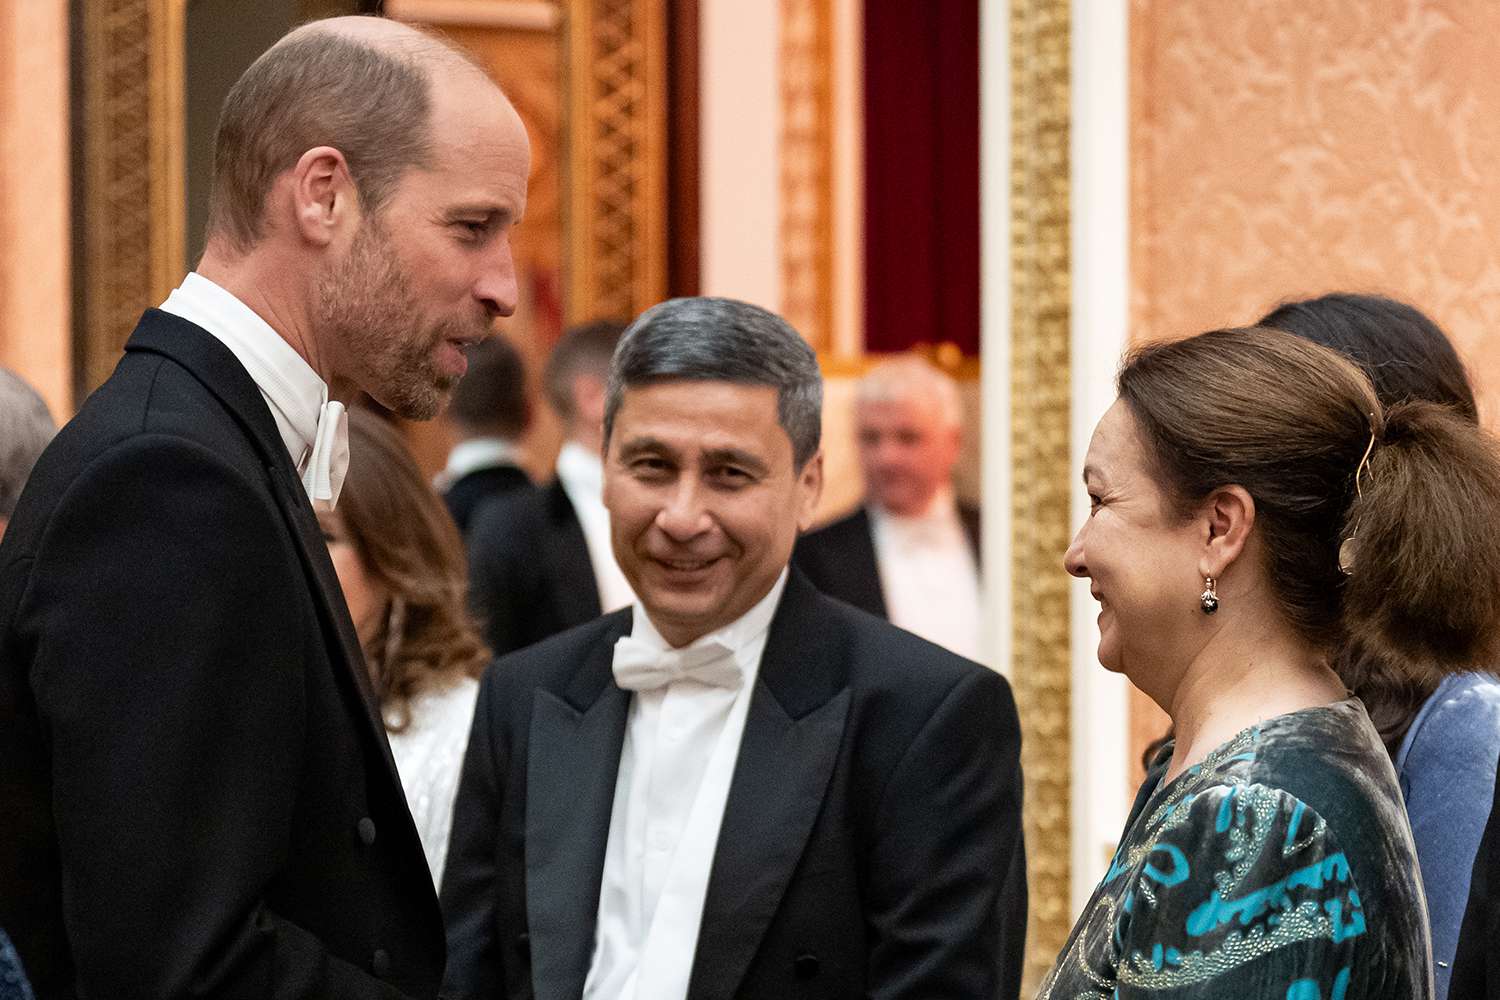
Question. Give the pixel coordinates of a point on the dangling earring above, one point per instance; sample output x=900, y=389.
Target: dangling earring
x=1209, y=599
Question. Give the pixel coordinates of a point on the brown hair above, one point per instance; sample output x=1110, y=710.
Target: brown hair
x=317, y=88
x=1292, y=422
x=1406, y=356
x=406, y=540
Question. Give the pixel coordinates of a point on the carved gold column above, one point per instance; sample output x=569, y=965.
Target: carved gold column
x=1040, y=375
x=133, y=202
x=807, y=168
x=616, y=220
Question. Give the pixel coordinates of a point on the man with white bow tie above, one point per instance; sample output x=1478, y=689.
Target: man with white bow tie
x=910, y=552
x=736, y=787
x=198, y=794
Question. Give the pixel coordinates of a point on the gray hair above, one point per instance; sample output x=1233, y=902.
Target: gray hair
x=723, y=340
x=25, y=429
x=912, y=377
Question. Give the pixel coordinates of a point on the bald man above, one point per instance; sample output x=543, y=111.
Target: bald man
x=197, y=792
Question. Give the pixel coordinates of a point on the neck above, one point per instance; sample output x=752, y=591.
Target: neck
x=261, y=281
x=1239, y=679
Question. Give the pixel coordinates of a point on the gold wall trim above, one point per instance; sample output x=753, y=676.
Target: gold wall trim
x=134, y=201
x=616, y=221
x=807, y=60
x=1039, y=420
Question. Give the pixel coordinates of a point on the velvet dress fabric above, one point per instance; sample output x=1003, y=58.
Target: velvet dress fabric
x=1281, y=867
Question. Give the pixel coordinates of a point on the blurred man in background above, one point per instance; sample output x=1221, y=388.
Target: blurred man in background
x=490, y=411
x=910, y=553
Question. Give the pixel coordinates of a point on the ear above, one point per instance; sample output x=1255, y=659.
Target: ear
x=1227, y=516
x=588, y=397
x=809, y=491
x=324, y=199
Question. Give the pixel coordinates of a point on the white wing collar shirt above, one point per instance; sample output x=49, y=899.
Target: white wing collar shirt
x=581, y=473
x=472, y=456
x=313, y=427
x=682, y=739
x=928, y=576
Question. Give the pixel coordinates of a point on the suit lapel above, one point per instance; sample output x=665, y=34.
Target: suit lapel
x=572, y=762
x=216, y=367
x=864, y=569
x=792, y=737
x=968, y=515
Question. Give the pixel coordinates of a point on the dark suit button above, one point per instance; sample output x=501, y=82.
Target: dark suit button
x=366, y=829
x=805, y=966
x=380, y=962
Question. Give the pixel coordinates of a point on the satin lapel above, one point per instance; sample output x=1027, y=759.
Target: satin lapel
x=792, y=737
x=572, y=761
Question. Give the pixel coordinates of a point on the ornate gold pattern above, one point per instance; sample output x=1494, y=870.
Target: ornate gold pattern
x=133, y=202
x=1040, y=391
x=806, y=168
x=617, y=195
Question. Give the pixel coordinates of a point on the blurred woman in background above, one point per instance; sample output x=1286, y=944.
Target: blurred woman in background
x=1255, y=511
x=1442, y=731
x=401, y=566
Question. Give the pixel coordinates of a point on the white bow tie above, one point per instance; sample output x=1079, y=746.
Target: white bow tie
x=645, y=666
x=324, y=467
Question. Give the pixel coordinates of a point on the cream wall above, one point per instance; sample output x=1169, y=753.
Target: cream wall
x=34, y=195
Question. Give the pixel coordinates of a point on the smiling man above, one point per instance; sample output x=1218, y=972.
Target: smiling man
x=197, y=792
x=736, y=787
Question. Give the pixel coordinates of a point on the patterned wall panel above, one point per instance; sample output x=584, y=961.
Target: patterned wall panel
x=1041, y=476
x=617, y=157
x=1285, y=149
x=806, y=168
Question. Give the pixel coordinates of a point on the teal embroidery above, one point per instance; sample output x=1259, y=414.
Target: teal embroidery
x=1217, y=911
x=1179, y=870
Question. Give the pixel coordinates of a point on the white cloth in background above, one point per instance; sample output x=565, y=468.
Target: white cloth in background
x=473, y=455
x=582, y=475
x=313, y=427
x=681, y=744
x=429, y=754
x=928, y=575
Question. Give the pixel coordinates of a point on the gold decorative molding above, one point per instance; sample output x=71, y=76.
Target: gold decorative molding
x=134, y=202
x=616, y=222
x=807, y=59
x=1039, y=420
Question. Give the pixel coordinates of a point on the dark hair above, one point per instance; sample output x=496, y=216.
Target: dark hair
x=712, y=339
x=585, y=349
x=1403, y=353
x=26, y=428
x=1406, y=357
x=405, y=538
x=491, y=397
x=1292, y=422
x=317, y=87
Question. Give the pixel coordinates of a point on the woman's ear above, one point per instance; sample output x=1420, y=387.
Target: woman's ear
x=1227, y=515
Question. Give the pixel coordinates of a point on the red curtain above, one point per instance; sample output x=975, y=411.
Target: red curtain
x=921, y=99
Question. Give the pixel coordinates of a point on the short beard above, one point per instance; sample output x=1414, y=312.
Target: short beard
x=366, y=307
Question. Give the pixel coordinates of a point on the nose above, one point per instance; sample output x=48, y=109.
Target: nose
x=683, y=516
x=1073, y=560
x=496, y=287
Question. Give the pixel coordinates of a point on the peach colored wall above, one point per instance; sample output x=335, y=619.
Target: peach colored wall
x=34, y=286
x=1281, y=148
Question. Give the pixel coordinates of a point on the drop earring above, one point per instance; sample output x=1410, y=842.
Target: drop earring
x=1209, y=599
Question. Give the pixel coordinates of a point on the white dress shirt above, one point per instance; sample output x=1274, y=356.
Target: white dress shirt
x=476, y=454
x=312, y=426
x=582, y=475
x=928, y=575
x=676, y=765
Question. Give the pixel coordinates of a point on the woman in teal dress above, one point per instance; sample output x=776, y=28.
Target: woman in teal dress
x=1254, y=510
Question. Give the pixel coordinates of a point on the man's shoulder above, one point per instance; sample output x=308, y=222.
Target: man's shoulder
x=523, y=510
x=552, y=662
x=841, y=530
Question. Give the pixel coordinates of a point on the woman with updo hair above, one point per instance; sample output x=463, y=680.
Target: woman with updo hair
x=401, y=566
x=1442, y=729
x=1254, y=511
